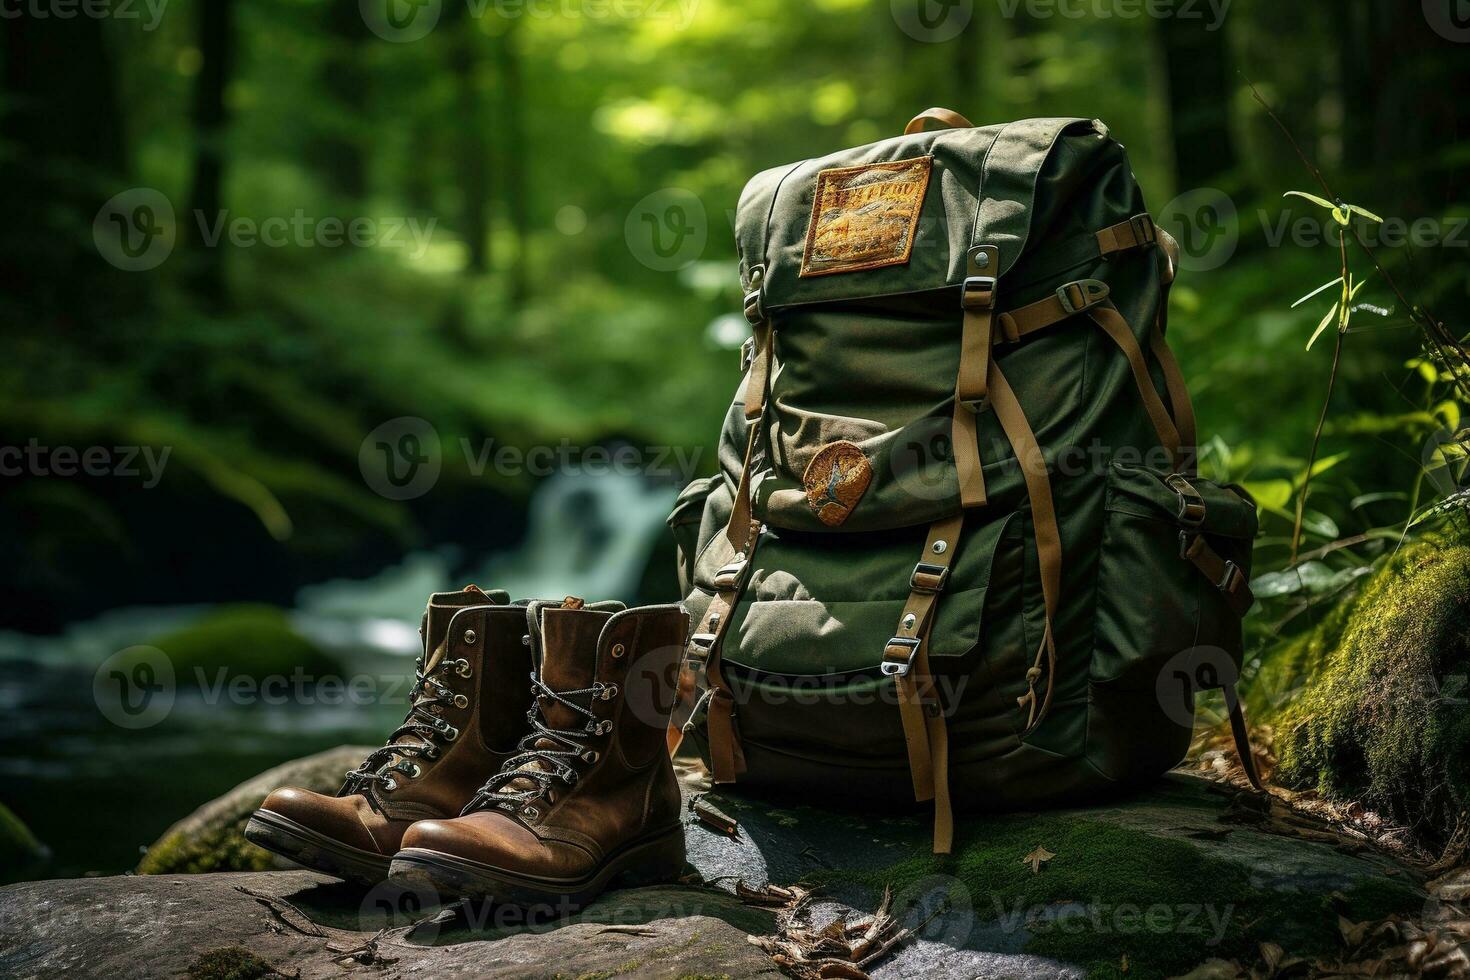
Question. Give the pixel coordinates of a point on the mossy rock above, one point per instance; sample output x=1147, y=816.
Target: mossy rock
x=247, y=639
x=1372, y=705
x=22, y=856
x=230, y=963
x=1168, y=879
x=212, y=837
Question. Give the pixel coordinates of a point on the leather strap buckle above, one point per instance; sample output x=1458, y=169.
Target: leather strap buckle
x=899, y=654
x=747, y=354
x=1191, y=511
x=1144, y=231
x=979, y=293
x=729, y=577
x=700, y=645
x=754, y=312
x=1082, y=295
x=1230, y=579
x=929, y=578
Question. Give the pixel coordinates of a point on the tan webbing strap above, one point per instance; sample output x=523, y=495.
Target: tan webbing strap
x=971, y=394
x=1070, y=299
x=1117, y=328
x=906, y=660
x=1224, y=575
x=1179, y=401
x=1240, y=731
x=1136, y=232
x=945, y=117
x=1048, y=533
x=700, y=671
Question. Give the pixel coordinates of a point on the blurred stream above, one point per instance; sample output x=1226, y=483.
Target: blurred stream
x=98, y=792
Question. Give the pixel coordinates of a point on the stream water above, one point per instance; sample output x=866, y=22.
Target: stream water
x=98, y=790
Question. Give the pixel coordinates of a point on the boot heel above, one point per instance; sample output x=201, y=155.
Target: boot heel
x=658, y=862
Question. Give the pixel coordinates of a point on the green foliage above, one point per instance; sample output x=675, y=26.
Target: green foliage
x=219, y=849
x=251, y=640
x=21, y=854
x=1371, y=706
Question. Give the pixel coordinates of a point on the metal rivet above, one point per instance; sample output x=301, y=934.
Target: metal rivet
x=460, y=701
x=469, y=636
x=618, y=651
x=910, y=621
x=981, y=258
x=590, y=756
x=531, y=812
x=940, y=547
x=526, y=640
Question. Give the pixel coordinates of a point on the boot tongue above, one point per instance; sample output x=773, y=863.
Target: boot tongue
x=569, y=658
x=442, y=607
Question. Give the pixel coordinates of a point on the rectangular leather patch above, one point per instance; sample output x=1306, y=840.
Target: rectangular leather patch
x=865, y=217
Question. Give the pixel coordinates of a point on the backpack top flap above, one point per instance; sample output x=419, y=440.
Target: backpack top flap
x=897, y=216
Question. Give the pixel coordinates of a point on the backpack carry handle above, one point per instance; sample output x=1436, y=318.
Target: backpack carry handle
x=945, y=117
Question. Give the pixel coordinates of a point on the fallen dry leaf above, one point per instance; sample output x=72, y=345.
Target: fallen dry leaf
x=1037, y=858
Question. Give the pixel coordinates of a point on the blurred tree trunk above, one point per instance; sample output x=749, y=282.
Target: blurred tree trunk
x=216, y=33
x=515, y=145
x=345, y=82
x=472, y=149
x=1198, y=68
x=66, y=155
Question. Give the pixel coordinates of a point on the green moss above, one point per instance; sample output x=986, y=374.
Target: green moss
x=219, y=850
x=251, y=640
x=1384, y=718
x=1112, y=891
x=230, y=963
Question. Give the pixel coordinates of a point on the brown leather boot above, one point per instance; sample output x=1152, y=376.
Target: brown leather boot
x=593, y=795
x=467, y=716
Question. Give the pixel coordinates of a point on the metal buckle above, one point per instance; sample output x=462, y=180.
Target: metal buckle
x=1231, y=579
x=902, y=665
x=700, y=644
x=753, y=311
x=979, y=292
x=1143, y=229
x=747, y=354
x=1091, y=291
x=940, y=572
x=1191, y=511
x=730, y=576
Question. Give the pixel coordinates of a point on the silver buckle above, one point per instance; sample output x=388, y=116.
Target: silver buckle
x=1143, y=229
x=1231, y=579
x=928, y=568
x=904, y=663
x=1191, y=512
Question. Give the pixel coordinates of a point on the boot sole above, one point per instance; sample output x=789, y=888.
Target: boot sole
x=650, y=860
x=314, y=850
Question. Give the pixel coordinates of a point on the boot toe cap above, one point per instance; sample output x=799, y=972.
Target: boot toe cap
x=336, y=817
x=488, y=838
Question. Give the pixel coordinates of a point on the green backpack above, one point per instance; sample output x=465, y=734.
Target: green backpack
x=957, y=549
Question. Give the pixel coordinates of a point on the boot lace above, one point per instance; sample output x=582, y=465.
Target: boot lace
x=547, y=754
x=419, y=735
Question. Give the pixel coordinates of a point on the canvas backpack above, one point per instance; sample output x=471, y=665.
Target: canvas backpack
x=957, y=549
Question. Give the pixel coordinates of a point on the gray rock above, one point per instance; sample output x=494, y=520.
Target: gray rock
x=211, y=838
x=162, y=925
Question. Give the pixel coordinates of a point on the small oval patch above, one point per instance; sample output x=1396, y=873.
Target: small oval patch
x=835, y=480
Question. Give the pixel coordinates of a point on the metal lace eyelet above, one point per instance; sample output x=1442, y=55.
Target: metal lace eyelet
x=526, y=640
x=470, y=637
x=531, y=812
x=603, y=727
x=431, y=753
x=618, y=650
x=609, y=691
x=460, y=701
x=390, y=784
x=451, y=733
x=591, y=755
x=412, y=770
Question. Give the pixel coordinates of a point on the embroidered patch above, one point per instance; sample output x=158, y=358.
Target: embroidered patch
x=865, y=217
x=835, y=480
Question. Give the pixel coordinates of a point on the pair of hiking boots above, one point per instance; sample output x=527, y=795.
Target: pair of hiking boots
x=531, y=768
